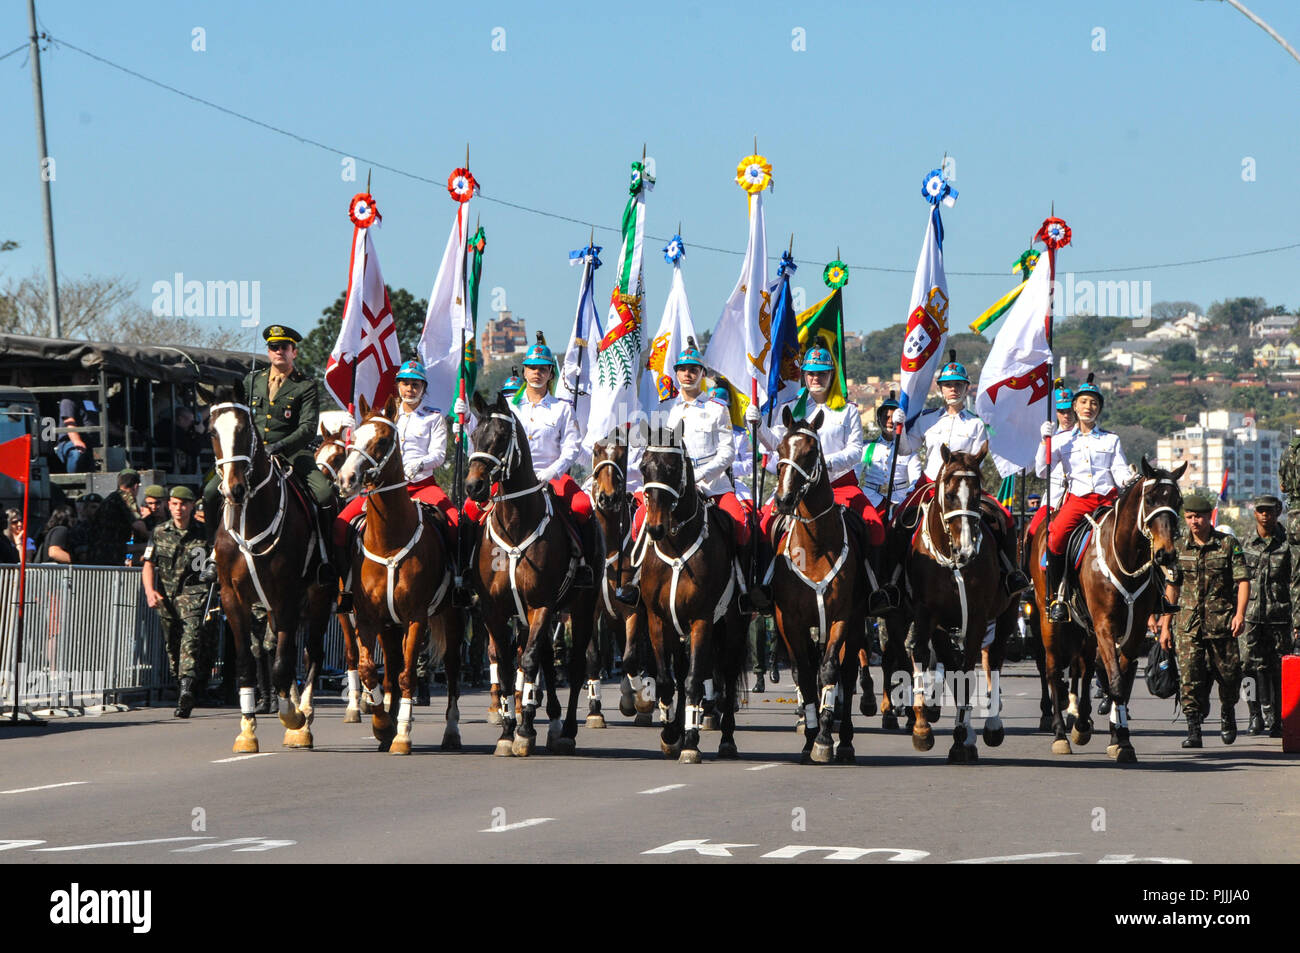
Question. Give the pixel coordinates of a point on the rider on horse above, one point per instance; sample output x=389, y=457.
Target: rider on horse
x=284, y=406
x=875, y=463
x=1065, y=421
x=1092, y=469
x=959, y=430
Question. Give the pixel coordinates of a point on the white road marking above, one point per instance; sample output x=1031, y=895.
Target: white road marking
x=120, y=843
x=700, y=845
x=764, y=767
x=44, y=787
x=531, y=822
x=244, y=757
x=1008, y=858
x=849, y=853
x=15, y=844
x=666, y=787
x=242, y=845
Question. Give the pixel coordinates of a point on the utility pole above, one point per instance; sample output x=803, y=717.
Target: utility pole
x=35, y=52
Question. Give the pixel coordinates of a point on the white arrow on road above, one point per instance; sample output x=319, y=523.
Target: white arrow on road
x=531, y=822
x=120, y=843
x=241, y=844
x=849, y=853
x=15, y=844
x=700, y=845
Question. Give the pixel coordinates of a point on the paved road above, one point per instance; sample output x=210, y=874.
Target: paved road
x=144, y=787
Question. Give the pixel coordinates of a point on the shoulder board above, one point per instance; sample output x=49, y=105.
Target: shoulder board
x=930, y=412
x=425, y=410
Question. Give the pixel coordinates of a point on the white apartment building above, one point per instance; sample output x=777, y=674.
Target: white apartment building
x=1224, y=438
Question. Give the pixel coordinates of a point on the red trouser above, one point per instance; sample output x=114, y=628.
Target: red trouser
x=1040, y=514
x=563, y=486
x=425, y=491
x=1073, y=510
x=848, y=494
x=726, y=502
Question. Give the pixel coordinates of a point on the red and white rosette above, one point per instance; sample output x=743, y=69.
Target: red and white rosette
x=363, y=211
x=1054, y=233
x=462, y=185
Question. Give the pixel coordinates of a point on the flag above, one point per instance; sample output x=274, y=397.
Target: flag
x=1023, y=266
x=658, y=383
x=366, y=355
x=15, y=458
x=823, y=324
x=1007, y=491
x=448, y=315
x=615, y=355
x=575, y=378
x=1017, y=377
x=469, y=360
x=740, y=348
x=1223, y=497
x=927, y=323
x=783, y=368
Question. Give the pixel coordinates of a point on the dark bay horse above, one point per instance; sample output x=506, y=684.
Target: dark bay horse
x=613, y=506
x=401, y=572
x=523, y=573
x=954, y=587
x=686, y=553
x=1120, y=582
x=818, y=590
x=267, y=551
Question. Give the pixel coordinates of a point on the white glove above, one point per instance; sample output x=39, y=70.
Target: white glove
x=1047, y=429
x=752, y=414
x=460, y=407
x=898, y=418
x=411, y=470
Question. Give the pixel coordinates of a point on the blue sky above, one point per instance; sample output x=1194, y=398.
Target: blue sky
x=1140, y=146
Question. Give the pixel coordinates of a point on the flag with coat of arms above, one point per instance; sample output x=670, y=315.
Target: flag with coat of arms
x=658, y=382
x=927, y=314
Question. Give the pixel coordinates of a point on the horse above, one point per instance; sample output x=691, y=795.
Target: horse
x=401, y=569
x=954, y=586
x=686, y=554
x=1111, y=603
x=267, y=551
x=818, y=591
x=523, y=573
x=613, y=508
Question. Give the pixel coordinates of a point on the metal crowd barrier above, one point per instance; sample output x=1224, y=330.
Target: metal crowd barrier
x=90, y=637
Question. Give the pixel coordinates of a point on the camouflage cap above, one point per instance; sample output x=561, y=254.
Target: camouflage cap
x=1267, y=500
x=1196, y=503
x=182, y=493
x=156, y=491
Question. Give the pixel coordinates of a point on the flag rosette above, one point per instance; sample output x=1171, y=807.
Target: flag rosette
x=640, y=179
x=836, y=275
x=787, y=265
x=675, y=250
x=935, y=189
x=754, y=174
x=462, y=185
x=1054, y=233
x=1025, y=264
x=362, y=210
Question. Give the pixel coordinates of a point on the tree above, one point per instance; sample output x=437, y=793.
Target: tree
x=1172, y=310
x=408, y=314
x=1182, y=355
x=1237, y=314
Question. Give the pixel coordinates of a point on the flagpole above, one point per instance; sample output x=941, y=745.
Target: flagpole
x=1051, y=309
x=458, y=481
x=893, y=465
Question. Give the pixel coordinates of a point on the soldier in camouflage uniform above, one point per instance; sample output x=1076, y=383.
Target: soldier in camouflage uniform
x=172, y=562
x=116, y=522
x=1289, y=478
x=1215, y=586
x=1268, y=615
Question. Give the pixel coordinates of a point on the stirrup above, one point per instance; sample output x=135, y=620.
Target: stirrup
x=209, y=573
x=462, y=597
x=326, y=576
x=1016, y=582
x=879, y=603
x=344, y=605
x=629, y=595
x=758, y=599
x=1058, y=611
x=583, y=578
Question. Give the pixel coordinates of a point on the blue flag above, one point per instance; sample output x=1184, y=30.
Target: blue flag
x=785, y=333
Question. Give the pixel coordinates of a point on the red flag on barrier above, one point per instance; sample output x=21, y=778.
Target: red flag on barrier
x=15, y=455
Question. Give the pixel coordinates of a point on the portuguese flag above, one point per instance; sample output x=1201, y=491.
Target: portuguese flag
x=823, y=324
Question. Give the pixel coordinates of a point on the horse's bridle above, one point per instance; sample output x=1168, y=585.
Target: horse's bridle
x=255, y=439
x=809, y=478
x=622, y=476
x=377, y=466
x=677, y=494
x=502, y=469
x=331, y=442
x=1144, y=520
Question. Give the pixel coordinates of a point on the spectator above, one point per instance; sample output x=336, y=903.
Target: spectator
x=116, y=523
x=78, y=415
x=15, y=534
x=87, y=506
x=191, y=438
x=56, y=544
x=8, y=552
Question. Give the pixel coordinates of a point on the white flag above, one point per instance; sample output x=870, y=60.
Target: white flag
x=580, y=356
x=658, y=382
x=739, y=347
x=927, y=323
x=447, y=317
x=1017, y=377
x=366, y=355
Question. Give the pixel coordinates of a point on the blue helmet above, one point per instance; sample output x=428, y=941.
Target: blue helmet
x=690, y=356
x=953, y=371
x=818, y=358
x=1064, y=398
x=513, y=383
x=539, y=355
x=412, y=370
x=888, y=405
x=1088, y=387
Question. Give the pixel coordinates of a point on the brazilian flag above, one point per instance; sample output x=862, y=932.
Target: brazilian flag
x=823, y=324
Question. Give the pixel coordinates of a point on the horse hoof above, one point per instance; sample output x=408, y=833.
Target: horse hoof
x=1080, y=738
x=294, y=720
x=523, y=747
x=564, y=746
x=727, y=751
x=821, y=754
x=1126, y=755
x=1112, y=751
x=923, y=742
x=845, y=754
x=889, y=721
x=627, y=705
x=643, y=719
x=972, y=754
x=689, y=756
x=504, y=748
x=709, y=723
x=450, y=742
x=494, y=716
x=1045, y=723
x=957, y=754
x=595, y=720
x=670, y=750
x=1061, y=746
x=352, y=716
x=993, y=737
x=400, y=745
x=298, y=739
x=645, y=706
x=384, y=744
x=246, y=743
x=868, y=705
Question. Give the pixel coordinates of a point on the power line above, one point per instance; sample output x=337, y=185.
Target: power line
x=16, y=49
x=577, y=221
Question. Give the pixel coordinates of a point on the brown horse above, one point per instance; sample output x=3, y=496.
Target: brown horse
x=613, y=506
x=523, y=573
x=401, y=573
x=954, y=587
x=686, y=553
x=819, y=591
x=267, y=551
x=1119, y=586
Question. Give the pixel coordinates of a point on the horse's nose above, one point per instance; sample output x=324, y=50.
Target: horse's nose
x=477, y=490
x=656, y=531
x=237, y=492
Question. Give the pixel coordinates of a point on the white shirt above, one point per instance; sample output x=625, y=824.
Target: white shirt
x=875, y=471
x=963, y=432
x=423, y=433
x=708, y=439
x=840, y=435
x=553, y=438
x=1088, y=462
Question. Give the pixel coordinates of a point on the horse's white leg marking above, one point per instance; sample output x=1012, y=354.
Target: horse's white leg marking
x=648, y=688
x=404, y=718
x=810, y=714
x=529, y=693
x=494, y=673
x=593, y=691
x=1119, y=715
x=247, y=701
x=708, y=689
x=354, y=690
x=519, y=679
x=995, y=699
x=377, y=694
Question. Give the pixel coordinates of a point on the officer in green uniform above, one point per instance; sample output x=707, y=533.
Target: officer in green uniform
x=172, y=562
x=1215, y=587
x=1288, y=472
x=285, y=405
x=1268, y=615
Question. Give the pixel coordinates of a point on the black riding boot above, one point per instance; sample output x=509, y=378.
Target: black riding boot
x=211, y=523
x=1058, y=612
x=1193, y=739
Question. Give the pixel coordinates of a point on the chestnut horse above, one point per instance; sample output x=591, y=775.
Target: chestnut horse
x=401, y=573
x=1111, y=602
x=613, y=506
x=267, y=551
x=954, y=587
x=523, y=573
x=818, y=590
x=686, y=554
